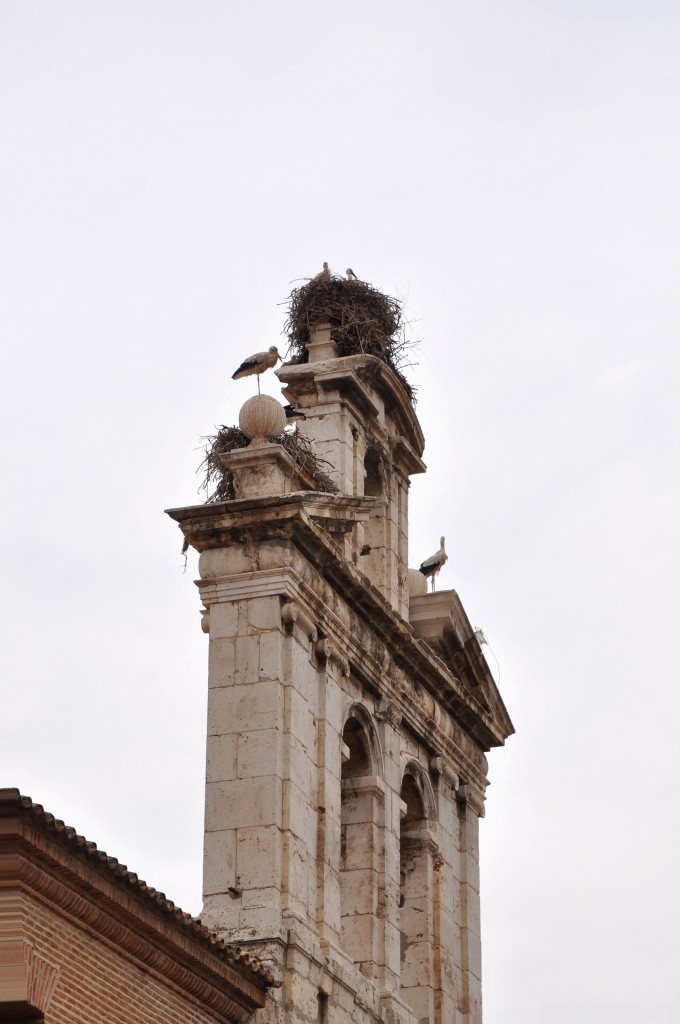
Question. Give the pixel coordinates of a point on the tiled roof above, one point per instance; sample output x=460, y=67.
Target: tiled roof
x=84, y=847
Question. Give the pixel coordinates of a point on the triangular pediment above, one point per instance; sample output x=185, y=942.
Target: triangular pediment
x=440, y=620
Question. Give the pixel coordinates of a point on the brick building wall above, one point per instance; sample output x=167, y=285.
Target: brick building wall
x=84, y=941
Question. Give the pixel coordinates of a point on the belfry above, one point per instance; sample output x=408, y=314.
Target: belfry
x=349, y=710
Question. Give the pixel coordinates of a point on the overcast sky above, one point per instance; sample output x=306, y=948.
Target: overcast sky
x=511, y=169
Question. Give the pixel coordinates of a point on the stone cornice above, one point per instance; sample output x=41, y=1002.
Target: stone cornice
x=400, y=701
x=441, y=621
x=218, y=525
x=46, y=867
x=347, y=374
x=299, y=518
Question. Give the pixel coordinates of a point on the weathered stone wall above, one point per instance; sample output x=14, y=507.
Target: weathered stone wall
x=305, y=832
x=346, y=769
x=358, y=415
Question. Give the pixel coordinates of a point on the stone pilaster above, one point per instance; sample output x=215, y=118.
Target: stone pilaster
x=345, y=766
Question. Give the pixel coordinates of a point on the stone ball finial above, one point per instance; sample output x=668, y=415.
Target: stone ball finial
x=261, y=416
x=417, y=583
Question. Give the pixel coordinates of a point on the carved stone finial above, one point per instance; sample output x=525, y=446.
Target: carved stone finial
x=261, y=417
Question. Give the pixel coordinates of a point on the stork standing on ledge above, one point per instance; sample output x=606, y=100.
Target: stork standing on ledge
x=258, y=363
x=433, y=564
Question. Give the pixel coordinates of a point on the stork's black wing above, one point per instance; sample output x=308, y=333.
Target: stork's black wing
x=246, y=367
x=428, y=567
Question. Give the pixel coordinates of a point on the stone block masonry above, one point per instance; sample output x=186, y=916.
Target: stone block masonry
x=346, y=763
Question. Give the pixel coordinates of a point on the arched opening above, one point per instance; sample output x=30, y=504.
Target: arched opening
x=416, y=900
x=360, y=821
x=373, y=480
x=415, y=808
x=359, y=760
x=375, y=537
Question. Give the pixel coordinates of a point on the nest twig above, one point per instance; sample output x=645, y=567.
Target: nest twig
x=218, y=481
x=363, y=320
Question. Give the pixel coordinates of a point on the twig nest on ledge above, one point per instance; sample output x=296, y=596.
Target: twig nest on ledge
x=261, y=416
x=362, y=320
x=218, y=483
x=417, y=583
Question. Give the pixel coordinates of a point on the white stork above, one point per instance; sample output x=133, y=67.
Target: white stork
x=433, y=564
x=323, y=275
x=258, y=363
x=351, y=276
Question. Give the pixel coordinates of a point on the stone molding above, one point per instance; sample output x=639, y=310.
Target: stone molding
x=371, y=785
x=346, y=375
x=327, y=651
x=265, y=583
x=441, y=621
x=212, y=525
x=223, y=524
x=294, y=614
x=423, y=837
x=358, y=712
x=413, y=768
x=431, y=719
x=439, y=767
x=330, y=379
x=388, y=712
x=467, y=796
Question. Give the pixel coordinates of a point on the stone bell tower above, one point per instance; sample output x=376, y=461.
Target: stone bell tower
x=347, y=721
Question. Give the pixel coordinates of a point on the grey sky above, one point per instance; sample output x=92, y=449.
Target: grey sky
x=511, y=169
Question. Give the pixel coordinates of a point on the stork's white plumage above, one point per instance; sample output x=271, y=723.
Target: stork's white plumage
x=432, y=565
x=351, y=276
x=258, y=363
x=323, y=275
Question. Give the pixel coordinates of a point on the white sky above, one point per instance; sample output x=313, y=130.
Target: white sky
x=169, y=169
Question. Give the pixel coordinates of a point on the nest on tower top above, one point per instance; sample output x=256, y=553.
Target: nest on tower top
x=218, y=481
x=363, y=321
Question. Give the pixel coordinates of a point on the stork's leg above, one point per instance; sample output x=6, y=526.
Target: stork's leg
x=258, y=383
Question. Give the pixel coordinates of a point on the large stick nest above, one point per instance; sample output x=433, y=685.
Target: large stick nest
x=363, y=320
x=218, y=481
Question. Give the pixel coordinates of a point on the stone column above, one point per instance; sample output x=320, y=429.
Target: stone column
x=390, y=720
x=246, y=766
x=332, y=665
x=470, y=810
x=446, y=895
